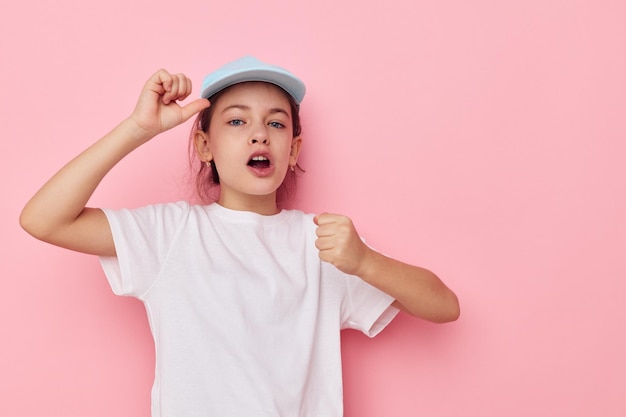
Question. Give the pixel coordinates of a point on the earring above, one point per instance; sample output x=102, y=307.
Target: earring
x=292, y=168
x=208, y=163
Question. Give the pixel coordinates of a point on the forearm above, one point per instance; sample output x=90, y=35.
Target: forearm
x=417, y=291
x=63, y=198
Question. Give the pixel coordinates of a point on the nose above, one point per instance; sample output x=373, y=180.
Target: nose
x=260, y=135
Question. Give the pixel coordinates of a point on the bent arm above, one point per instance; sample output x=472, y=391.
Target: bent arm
x=57, y=214
x=417, y=291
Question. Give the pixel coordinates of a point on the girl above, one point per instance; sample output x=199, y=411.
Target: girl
x=246, y=301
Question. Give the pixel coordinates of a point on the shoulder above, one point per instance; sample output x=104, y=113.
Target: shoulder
x=179, y=206
x=152, y=215
x=300, y=218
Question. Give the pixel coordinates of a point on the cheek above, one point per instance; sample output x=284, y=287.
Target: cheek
x=220, y=157
x=218, y=145
x=285, y=154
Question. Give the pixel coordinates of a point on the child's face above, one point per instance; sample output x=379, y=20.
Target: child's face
x=250, y=140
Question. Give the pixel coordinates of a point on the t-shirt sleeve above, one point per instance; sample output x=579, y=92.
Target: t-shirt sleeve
x=142, y=238
x=365, y=307
x=371, y=309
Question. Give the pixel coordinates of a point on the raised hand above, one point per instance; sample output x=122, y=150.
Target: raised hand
x=339, y=243
x=157, y=109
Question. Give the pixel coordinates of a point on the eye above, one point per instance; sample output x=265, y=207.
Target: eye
x=235, y=122
x=276, y=125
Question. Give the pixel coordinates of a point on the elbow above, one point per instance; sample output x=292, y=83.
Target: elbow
x=442, y=310
x=448, y=310
x=453, y=314
x=452, y=310
x=29, y=222
x=26, y=222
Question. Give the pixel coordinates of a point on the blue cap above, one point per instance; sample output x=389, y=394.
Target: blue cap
x=249, y=68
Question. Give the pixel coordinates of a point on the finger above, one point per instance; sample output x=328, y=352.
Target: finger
x=325, y=230
x=324, y=218
x=181, y=88
x=188, y=86
x=194, y=107
x=156, y=83
x=325, y=256
x=324, y=244
x=163, y=80
x=171, y=89
x=184, y=87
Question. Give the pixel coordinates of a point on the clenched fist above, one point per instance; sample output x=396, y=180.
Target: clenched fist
x=339, y=243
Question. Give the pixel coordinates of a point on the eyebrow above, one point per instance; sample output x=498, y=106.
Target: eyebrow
x=246, y=108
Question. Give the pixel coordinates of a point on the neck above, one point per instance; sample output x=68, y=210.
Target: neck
x=261, y=204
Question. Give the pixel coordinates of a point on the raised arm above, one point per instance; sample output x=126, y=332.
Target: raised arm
x=417, y=291
x=57, y=214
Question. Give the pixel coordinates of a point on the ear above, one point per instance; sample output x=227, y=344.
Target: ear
x=201, y=142
x=296, y=146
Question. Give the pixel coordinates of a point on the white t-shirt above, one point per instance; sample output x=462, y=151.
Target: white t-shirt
x=245, y=317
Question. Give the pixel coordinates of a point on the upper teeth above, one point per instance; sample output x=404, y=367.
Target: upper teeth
x=260, y=158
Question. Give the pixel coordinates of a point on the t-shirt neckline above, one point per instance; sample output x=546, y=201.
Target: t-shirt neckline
x=247, y=216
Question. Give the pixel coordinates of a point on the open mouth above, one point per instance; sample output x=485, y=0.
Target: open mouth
x=259, y=161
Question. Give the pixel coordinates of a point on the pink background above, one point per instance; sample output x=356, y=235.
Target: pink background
x=485, y=140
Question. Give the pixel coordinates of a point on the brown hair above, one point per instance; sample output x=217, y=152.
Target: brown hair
x=207, y=177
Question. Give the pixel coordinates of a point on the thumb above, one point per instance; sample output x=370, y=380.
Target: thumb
x=194, y=107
